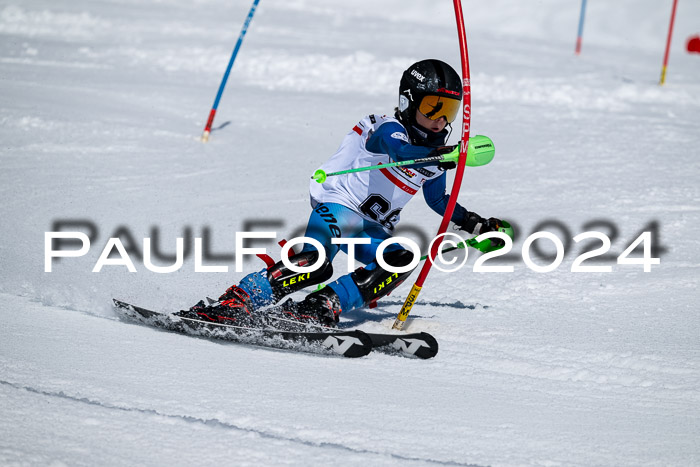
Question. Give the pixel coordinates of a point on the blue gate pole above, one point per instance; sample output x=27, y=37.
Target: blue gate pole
x=580, y=27
x=212, y=113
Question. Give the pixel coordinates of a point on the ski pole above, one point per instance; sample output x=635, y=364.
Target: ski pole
x=480, y=152
x=212, y=113
x=454, y=193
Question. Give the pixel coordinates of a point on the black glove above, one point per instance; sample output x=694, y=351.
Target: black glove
x=447, y=165
x=439, y=151
x=470, y=222
x=490, y=225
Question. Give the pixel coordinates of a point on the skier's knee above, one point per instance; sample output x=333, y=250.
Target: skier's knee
x=377, y=282
x=285, y=281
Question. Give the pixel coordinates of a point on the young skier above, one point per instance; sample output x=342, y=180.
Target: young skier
x=364, y=205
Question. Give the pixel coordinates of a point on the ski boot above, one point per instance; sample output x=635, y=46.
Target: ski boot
x=233, y=307
x=320, y=308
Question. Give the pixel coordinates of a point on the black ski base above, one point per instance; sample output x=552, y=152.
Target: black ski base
x=351, y=343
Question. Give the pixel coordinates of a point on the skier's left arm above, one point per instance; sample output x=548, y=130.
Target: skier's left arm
x=437, y=199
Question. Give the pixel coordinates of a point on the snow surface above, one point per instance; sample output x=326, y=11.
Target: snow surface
x=102, y=104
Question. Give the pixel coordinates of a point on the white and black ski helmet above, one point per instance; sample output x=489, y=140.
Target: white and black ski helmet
x=434, y=88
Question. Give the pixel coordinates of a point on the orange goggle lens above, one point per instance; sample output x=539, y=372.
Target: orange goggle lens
x=435, y=107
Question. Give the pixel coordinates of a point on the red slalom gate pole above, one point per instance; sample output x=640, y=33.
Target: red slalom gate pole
x=466, y=123
x=668, y=43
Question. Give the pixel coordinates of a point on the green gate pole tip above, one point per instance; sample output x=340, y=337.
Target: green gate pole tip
x=319, y=176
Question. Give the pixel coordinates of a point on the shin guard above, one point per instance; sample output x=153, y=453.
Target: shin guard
x=376, y=283
x=285, y=281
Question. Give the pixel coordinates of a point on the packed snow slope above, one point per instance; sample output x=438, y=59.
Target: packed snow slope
x=102, y=104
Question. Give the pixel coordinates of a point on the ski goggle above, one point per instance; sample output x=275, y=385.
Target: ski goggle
x=435, y=107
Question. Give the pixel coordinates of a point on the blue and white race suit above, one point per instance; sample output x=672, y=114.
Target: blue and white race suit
x=365, y=204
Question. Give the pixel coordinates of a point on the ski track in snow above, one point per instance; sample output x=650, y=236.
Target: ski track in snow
x=102, y=106
x=215, y=423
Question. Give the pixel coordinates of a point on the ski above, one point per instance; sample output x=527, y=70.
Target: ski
x=352, y=343
x=421, y=344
